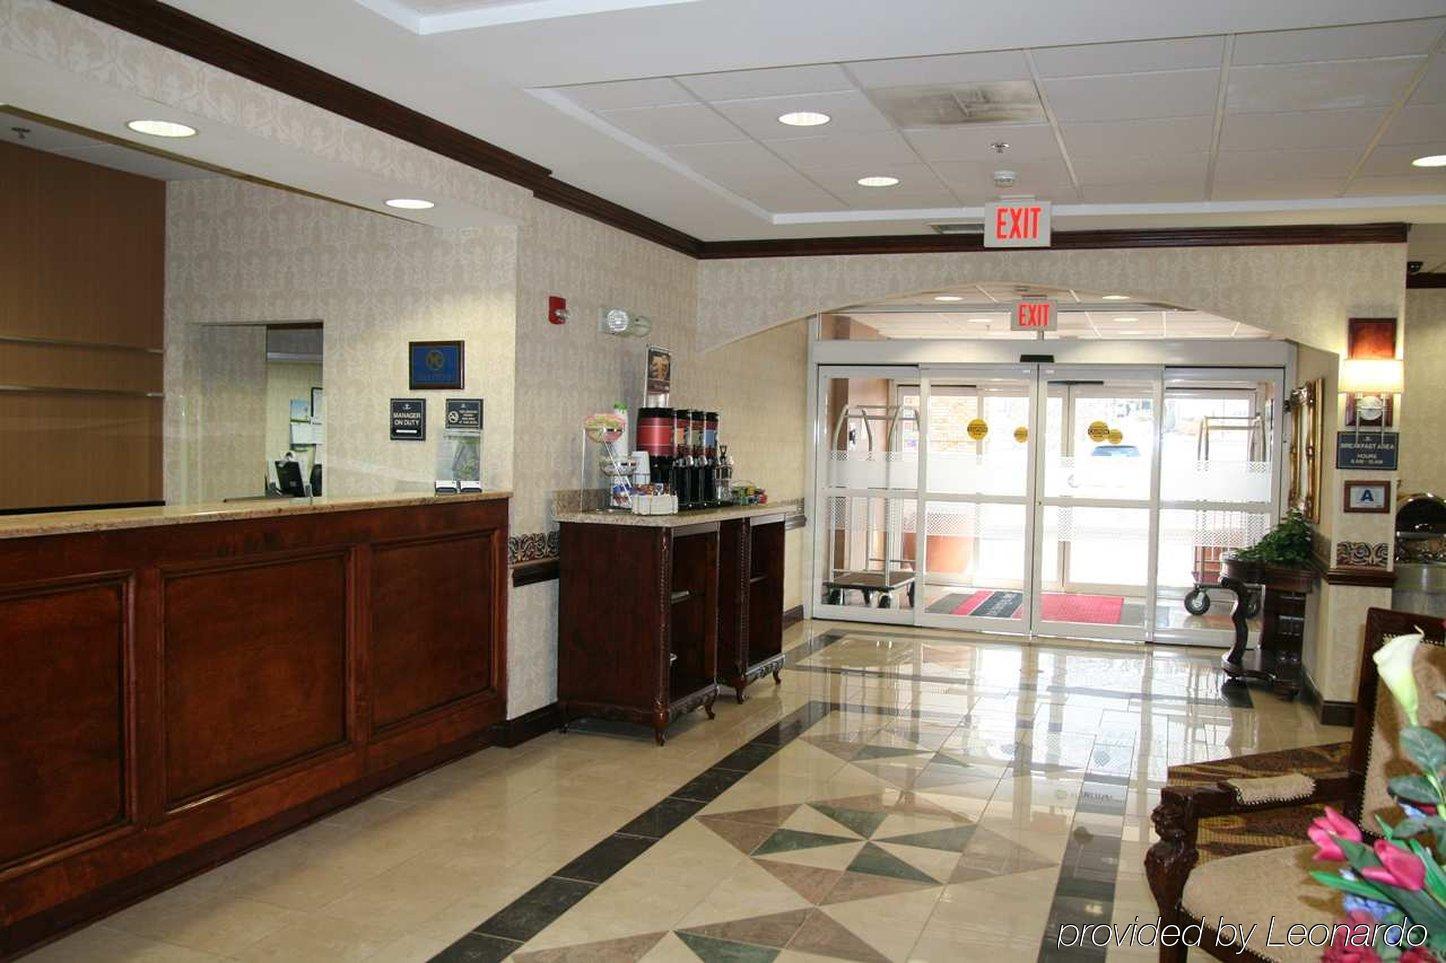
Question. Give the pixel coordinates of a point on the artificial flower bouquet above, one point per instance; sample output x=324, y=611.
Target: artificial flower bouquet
x=1394, y=889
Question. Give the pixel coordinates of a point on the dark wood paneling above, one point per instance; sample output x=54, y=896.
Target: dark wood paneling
x=1389, y=233
x=792, y=616
x=1373, y=578
x=62, y=736
x=529, y=725
x=1426, y=280
x=214, y=605
x=236, y=638
x=427, y=655
x=530, y=573
x=75, y=450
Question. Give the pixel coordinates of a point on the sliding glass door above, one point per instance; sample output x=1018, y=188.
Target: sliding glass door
x=1081, y=501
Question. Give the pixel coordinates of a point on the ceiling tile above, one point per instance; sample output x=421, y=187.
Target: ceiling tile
x=1131, y=57
x=1166, y=136
x=771, y=82
x=1177, y=93
x=1432, y=88
x=1395, y=159
x=1420, y=124
x=1127, y=168
x=1275, y=189
x=1156, y=192
x=1405, y=184
x=138, y=162
x=628, y=93
x=43, y=137
x=1395, y=39
x=1319, y=86
x=675, y=124
x=972, y=142
x=851, y=112
x=974, y=182
x=717, y=156
x=859, y=151
x=917, y=187
x=787, y=191
x=1254, y=165
x=948, y=69
x=1312, y=128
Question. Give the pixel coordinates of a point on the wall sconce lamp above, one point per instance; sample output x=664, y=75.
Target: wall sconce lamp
x=1372, y=382
x=625, y=324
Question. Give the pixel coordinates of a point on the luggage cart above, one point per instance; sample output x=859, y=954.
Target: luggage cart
x=1207, y=557
x=895, y=574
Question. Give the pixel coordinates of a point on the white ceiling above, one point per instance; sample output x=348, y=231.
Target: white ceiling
x=984, y=312
x=33, y=134
x=1236, y=112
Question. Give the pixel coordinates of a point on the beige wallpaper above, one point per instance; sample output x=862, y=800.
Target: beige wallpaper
x=1423, y=456
x=1303, y=293
x=240, y=252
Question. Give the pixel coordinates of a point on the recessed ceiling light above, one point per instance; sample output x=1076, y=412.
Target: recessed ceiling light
x=410, y=203
x=161, y=128
x=1117, y=297
x=878, y=181
x=804, y=118
x=1432, y=160
x=1127, y=320
x=948, y=297
x=978, y=320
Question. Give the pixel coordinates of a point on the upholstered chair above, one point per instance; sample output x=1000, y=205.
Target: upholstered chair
x=1256, y=887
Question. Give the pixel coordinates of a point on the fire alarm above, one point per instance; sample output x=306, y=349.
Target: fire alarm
x=556, y=310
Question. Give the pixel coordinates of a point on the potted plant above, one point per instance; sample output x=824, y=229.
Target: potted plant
x=1288, y=545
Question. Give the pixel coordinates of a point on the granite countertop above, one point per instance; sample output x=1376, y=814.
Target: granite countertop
x=605, y=517
x=107, y=519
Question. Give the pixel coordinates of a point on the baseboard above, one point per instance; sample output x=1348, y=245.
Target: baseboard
x=529, y=725
x=792, y=616
x=1329, y=712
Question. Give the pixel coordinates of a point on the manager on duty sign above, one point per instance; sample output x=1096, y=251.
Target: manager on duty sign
x=1016, y=224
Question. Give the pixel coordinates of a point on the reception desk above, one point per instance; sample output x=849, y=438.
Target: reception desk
x=178, y=684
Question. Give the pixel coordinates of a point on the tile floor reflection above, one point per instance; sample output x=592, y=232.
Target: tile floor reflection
x=903, y=795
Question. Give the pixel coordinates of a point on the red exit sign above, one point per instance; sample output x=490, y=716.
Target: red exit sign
x=1016, y=224
x=1033, y=316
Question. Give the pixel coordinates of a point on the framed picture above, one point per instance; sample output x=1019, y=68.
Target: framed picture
x=660, y=371
x=318, y=406
x=1305, y=448
x=1373, y=497
x=436, y=365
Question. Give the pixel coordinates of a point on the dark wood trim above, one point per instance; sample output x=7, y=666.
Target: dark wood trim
x=530, y=573
x=1369, y=577
x=195, y=37
x=1426, y=280
x=514, y=732
x=1329, y=712
x=81, y=508
x=1386, y=233
x=796, y=520
x=792, y=616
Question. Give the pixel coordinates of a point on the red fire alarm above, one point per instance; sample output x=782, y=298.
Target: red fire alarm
x=556, y=310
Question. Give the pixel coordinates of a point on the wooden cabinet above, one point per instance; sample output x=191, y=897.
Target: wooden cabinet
x=637, y=622
x=750, y=624
x=174, y=694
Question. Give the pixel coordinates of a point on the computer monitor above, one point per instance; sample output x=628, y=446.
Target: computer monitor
x=288, y=479
x=316, y=480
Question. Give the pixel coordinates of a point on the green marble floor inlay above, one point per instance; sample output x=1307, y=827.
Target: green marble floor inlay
x=788, y=840
x=879, y=862
x=951, y=840
x=710, y=950
x=862, y=822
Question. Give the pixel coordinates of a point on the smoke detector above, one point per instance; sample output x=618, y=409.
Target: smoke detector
x=1004, y=179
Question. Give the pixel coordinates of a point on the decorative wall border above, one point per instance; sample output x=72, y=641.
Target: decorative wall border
x=1365, y=555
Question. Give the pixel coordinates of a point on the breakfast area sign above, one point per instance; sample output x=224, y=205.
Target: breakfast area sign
x=1016, y=224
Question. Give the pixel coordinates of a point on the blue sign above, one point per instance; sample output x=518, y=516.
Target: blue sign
x=434, y=364
x=1379, y=450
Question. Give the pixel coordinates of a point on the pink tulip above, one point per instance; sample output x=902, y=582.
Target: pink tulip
x=1325, y=830
x=1342, y=949
x=1417, y=954
x=1398, y=868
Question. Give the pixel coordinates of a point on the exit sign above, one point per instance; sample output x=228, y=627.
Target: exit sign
x=1016, y=224
x=1033, y=316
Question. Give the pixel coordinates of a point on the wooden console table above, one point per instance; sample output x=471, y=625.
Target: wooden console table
x=1276, y=661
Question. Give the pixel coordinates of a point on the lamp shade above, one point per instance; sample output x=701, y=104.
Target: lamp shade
x=1372, y=376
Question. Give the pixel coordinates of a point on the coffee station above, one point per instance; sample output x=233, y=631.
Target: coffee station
x=676, y=585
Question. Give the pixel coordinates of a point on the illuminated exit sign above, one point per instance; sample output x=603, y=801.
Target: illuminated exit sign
x=1016, y=224
x=1033, y=316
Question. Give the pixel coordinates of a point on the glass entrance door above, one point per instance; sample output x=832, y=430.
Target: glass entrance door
x=1098, y=477
x=975, y=488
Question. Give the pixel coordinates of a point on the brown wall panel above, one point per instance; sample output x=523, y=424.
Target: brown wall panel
x=237, y=639
x=61, y=449
x=450, y=638
x=74, y=366
x=90, y=263
x=62, y=736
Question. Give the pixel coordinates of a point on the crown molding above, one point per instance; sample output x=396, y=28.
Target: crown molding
x=1426, y=280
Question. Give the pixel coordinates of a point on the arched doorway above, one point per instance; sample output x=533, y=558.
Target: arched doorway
x=1082, y=484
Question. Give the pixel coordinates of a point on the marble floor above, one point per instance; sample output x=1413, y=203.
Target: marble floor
x=903, y=795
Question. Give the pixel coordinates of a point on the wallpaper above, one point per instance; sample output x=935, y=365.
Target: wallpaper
x=1423, y=457
x=241, y=252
